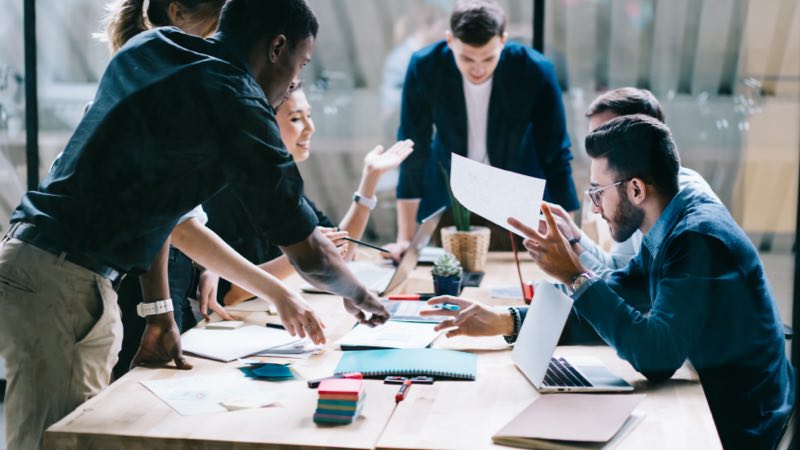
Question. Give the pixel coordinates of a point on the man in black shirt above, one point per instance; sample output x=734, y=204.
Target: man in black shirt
x=175, y=120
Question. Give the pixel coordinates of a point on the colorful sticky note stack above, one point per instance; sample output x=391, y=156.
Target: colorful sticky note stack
x=340, y=401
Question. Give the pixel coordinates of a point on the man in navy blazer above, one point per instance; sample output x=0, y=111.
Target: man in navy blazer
x=477, y=95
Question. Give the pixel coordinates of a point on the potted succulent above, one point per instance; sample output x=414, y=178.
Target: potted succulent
x=469, y=244
x=447, y=275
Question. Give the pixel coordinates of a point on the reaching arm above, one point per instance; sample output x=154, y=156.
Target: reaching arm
x=376, y=163
x=206, y=248
x=318, y=262
x=659, y=341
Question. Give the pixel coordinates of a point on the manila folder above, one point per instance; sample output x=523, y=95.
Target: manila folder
x=569, y=418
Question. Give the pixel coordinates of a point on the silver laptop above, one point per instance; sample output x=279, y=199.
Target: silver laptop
x=384, y=279
x=537, y=340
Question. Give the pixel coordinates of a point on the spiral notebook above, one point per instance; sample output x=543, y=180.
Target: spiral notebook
x=437, y=363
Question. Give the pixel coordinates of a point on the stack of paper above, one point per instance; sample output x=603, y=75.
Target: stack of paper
x=340, y=401
x=301, y=349
x=227, y=345
x=392, y=334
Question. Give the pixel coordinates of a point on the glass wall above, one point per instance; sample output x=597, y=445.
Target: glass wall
x=727, y=72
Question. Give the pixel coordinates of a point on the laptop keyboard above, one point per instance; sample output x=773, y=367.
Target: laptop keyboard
x=561, y=373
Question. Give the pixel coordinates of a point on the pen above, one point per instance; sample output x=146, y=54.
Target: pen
x=352, y=376
x=411, y=297
x=448, y=307
x=401, y=394
x=365, y=244
x=275, y=325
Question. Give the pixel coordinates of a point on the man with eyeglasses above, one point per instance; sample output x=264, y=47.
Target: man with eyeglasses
x=612, y=104
x=710, y=299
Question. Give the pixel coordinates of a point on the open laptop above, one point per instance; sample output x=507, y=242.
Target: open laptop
x=384, y=279
x=537, y=340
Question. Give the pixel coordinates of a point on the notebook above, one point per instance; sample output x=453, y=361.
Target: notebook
x=410, y=362
x=227, y=345
x=572, y=421
x=390, y=335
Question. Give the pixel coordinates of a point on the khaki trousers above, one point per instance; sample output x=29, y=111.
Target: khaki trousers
x=60, y=333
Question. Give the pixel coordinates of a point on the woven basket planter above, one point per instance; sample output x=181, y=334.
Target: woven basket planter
x=469, y=247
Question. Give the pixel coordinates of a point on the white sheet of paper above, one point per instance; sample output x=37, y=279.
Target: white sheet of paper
x=392, y=334
x=254, y=305
x=208, y=394
x=496, y=194
x=301, y=349
x=505, y=291
x=227, y=345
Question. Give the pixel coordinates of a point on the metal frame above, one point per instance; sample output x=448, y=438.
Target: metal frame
x=31, y=96
x=538, y=26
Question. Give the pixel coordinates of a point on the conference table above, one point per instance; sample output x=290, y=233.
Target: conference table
x=445, y=415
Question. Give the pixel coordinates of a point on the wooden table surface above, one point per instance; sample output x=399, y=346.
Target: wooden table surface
x=446, y=415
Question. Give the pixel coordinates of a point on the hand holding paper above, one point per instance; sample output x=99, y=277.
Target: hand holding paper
x=496, y=194
x=550, y=250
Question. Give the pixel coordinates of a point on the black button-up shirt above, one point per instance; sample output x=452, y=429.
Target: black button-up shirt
x=176, y=119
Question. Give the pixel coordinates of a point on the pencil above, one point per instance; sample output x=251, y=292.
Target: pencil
x=366, y=245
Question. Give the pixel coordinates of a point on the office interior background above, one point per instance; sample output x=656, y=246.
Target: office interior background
x=727, y=72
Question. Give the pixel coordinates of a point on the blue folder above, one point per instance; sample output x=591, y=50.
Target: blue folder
x=410, y=362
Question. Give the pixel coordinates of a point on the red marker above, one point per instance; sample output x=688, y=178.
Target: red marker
x=422, y=297
x=401, y=394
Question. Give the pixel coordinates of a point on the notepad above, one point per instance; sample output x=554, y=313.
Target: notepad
x=410, y=362
x=227, y=345
x=340, y=401
x=571, y=421
x=390, y=335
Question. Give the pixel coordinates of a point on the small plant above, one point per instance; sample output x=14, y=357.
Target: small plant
x=447, y=266
x=460, y=213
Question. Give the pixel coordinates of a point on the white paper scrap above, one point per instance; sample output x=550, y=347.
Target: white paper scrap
x=208, y=394
x=496, y=194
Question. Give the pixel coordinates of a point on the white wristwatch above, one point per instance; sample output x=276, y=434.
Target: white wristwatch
x=153, y=308
x=369, y=202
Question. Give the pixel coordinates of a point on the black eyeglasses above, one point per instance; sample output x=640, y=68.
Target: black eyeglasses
x=596, y=192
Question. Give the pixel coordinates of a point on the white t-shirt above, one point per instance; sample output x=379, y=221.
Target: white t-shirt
x=477, y=97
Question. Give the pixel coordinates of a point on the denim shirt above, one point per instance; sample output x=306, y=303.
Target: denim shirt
x=711, y=303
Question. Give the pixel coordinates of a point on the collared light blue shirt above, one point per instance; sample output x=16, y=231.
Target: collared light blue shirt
x=697, y=290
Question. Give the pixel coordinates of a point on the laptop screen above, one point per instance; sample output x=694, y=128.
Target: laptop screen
x=539, y=333
x=409, y=260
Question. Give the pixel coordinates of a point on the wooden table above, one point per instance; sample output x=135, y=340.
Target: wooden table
x=446, y=415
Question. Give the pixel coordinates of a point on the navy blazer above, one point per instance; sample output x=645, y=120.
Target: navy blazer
x=526, y=133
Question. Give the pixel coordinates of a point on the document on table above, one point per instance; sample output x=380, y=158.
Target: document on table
x=254, y=305
x=392, y=334
x=496, y=194
x=207, y=394
x=227, y=345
